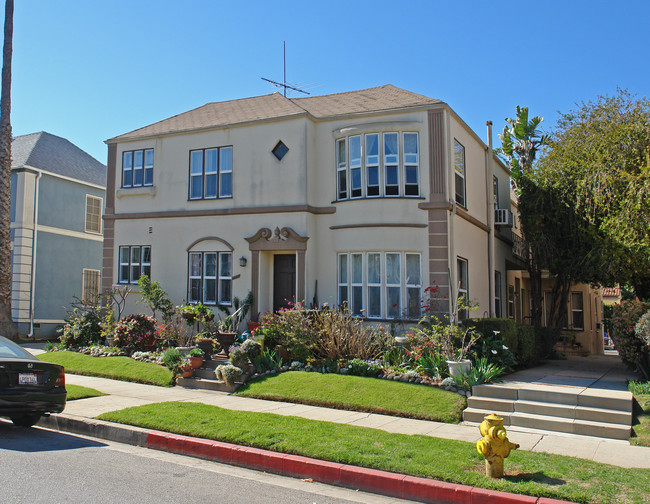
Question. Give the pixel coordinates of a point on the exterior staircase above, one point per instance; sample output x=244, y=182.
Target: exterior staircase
x=588, y=411
x=204, y=377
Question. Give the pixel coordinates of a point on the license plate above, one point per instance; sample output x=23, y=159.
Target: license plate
x=27, y=379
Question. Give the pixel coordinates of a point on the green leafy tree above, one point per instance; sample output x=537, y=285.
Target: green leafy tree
x=7, y=326
x=599, y=165
x=155, y=296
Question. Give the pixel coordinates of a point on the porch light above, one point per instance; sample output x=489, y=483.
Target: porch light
x=243, y=261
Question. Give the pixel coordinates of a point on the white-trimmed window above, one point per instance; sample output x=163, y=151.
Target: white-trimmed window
x=511, y=301
x=497, y=294
x=459, y=168
x=93, y=214
x=211, y=173
x=135, y=261
x=210, y=278
x=413, y=282
x=90, y=286
x=372, y=165
x=577, y=311
x=377, y=285
x=411, y=165
x=137, y=168
x=463, y=284
x=378, y=165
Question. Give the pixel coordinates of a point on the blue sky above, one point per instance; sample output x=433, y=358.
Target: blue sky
x=91, y=70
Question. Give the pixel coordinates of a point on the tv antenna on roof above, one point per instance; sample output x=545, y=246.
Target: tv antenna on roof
x=284, y=84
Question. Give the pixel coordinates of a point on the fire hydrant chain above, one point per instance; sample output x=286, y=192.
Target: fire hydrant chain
x=495, y=445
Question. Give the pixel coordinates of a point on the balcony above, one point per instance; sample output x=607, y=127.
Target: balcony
x=502, y=217
x=519, y=248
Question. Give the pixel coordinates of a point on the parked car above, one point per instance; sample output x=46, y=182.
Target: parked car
x=29, y=388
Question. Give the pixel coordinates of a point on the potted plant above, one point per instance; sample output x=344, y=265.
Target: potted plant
x=196, y=357
x=238, y=357
x=228, y=373
x=186, y=367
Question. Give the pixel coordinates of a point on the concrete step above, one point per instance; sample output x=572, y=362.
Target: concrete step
x=490, y=403
x=206, y=384
x=570, y=426
x=476, y=415
x=502, y=391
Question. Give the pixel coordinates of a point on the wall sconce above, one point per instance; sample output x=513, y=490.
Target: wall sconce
x=243, y=261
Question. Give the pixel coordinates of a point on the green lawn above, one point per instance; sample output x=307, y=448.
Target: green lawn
x=79, y=392
x=116, y=368
x=641, y=430
x=529, y=473
x=359, y=394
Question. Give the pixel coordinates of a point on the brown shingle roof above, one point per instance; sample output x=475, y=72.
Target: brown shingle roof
x=276, y=106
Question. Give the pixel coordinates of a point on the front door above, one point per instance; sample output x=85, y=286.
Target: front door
x=284, y=281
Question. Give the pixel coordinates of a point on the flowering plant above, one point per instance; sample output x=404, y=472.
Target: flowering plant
x=136, y=332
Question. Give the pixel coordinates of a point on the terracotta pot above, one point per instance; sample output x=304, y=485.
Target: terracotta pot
x=253, y=325
x=226, y=339
x=196, y=362
x=187, y=372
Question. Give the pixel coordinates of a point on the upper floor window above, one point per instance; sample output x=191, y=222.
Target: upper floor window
x=374, y=165
x=211, y=173
x=210, y=278
x=459, y=166
x=135, y=261
x=463, y=285
x=93, y=214
x=137, y=168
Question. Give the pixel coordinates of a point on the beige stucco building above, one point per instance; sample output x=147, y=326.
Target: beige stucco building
x=365, y=198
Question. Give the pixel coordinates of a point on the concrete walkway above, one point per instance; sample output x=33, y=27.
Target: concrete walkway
x=125, y=394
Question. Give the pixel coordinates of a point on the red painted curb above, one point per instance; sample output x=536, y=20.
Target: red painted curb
x=332, y=473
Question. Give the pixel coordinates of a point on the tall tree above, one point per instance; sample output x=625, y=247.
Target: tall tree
x=599, y=164
x=520, y=142
x=7, y=326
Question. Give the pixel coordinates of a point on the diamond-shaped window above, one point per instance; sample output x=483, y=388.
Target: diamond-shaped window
x=280, y=150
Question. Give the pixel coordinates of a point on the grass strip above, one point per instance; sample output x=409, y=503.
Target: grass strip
x=79, y=392
x=116, y=368
x=528, y=473
x=358, y=393
x=641, y=426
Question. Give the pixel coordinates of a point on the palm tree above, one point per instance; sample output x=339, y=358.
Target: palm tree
x=520, y=141
x=7, y=326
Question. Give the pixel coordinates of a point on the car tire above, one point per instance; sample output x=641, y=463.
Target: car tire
x=26, y=420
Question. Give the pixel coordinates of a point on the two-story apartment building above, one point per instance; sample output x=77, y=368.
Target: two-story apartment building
x=365, y=198
x=57, y=199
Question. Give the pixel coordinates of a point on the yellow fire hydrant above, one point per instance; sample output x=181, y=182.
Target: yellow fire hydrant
x=495, y=445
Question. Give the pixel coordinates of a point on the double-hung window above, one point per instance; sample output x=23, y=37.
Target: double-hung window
x=135, y=261
x=411, y=165
x=137, y=168
x=391, y=164
x=211, y=173
x=372, y=165
x=577, y=311
x=93, y=214
x=497, y=294
x=377, y=285
x=378, y=165
x=459, y=166
x=463, y=285
x=210, y=278
x=90, y=286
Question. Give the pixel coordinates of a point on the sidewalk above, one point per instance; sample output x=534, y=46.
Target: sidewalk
x=124, y=394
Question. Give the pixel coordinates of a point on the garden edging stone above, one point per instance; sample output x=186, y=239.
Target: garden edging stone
x=331, y=473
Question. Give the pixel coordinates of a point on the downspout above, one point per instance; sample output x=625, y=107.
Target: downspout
x=490, y=219
x=33, y=270
x=449, y=169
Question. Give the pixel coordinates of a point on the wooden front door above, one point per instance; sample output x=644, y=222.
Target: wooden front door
x=284, y=280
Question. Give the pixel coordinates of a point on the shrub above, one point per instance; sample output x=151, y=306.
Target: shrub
x=433, y=336
x=291, y=328
x=252, y=348
x=642, y=328
x=432, y=365
x=172, y=359
x=268, y=360
x=197, y=352
x=83, y=328
x=359, y=367
x=136, y=332
x=228, y=373
x=632, y=347
x=482, y=371
x=237, y=356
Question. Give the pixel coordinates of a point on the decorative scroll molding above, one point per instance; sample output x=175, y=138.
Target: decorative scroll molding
x=278, y=239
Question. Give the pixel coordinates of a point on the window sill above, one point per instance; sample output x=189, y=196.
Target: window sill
x=135, y=191
x=375, y=198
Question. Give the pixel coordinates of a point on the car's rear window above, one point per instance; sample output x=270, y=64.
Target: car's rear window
x=10, y=349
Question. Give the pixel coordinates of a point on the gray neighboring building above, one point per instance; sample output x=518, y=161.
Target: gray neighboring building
x=57, y=202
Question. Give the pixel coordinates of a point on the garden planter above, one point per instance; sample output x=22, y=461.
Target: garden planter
x=207, y=345
x=187, y=372
x=208, y=317
x=252, y=325
x=189, y=316
x=456, y=368
x=196, y=362
x=226, y=339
